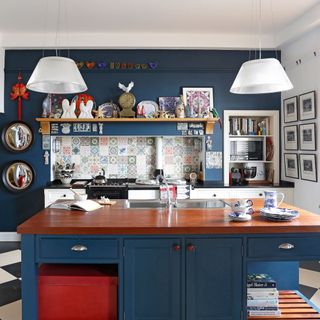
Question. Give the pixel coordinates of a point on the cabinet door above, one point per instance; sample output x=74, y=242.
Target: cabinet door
x=152, y=279
x=214, y=279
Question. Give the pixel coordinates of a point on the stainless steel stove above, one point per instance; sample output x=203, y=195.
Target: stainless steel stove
x=112, y=189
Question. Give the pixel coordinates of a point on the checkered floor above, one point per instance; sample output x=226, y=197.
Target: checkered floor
x=10, y=281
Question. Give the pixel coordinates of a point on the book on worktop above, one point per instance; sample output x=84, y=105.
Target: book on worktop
x=82, y=205
x=263, y=303
x=260, y=280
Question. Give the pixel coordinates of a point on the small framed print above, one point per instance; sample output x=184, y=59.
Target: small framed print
x=307, y=106
x=199, y=101
x=308, y=167
x=291, y=138
x=291, y=165
x=307, y=134
x=290, y=109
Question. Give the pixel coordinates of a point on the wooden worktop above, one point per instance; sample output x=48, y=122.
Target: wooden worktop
x=117, y=219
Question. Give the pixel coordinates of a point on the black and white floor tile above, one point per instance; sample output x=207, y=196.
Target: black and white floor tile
x=10, y=281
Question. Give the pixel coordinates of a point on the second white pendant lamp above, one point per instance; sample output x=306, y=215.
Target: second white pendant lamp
x=261, y=75
x=56, y=75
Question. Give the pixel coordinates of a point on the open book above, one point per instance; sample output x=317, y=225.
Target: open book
x=83, y=205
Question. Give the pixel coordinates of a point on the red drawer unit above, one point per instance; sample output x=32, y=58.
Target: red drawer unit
x=82, y=292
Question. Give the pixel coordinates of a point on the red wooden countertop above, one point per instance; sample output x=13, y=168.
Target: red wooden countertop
x=118, y=220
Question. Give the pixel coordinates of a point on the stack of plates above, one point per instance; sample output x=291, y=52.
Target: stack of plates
x=279, y=214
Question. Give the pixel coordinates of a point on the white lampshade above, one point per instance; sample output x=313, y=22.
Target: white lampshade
x=56, y=75
x=261, y=76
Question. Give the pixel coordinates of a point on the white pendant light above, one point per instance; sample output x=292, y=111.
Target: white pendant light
x=56, y=75
x=261, y=75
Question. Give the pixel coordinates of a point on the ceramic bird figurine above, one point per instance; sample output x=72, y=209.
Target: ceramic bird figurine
x=86, y=109
x=68, y=109
x=124, y=88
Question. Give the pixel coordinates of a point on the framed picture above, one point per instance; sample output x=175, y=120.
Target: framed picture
x=291, y=138
x=291, y=165
x=307, y=106
x=308, y=167
x=199, y=101
x=290, y=109
x=307, y=134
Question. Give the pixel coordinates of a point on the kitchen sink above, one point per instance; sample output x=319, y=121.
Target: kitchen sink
x=183, y=204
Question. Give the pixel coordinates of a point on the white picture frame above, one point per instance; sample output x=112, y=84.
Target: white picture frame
x=198, y=101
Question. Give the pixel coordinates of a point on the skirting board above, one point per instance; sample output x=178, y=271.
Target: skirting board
x=10, y=236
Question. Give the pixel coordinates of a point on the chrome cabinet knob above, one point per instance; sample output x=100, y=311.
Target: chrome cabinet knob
x=286, y=246
x=79, y=247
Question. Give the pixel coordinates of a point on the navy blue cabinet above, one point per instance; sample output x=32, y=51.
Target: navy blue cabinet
x=152, y=279
x=213, y=279
x=170, y=278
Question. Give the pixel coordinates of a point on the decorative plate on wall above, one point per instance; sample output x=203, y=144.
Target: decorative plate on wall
x=18, y=176
x=147, y=109
x=17, y=136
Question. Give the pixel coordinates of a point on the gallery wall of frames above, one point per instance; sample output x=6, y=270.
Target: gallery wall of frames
x=300, y=132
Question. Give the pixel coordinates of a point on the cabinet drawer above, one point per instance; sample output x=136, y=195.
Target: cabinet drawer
x=209, y=193
x=247, y=193
x=283, y=247
x=51, y=195
x=77, y=248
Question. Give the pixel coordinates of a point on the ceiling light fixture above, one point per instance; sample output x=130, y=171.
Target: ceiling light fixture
x=261, y=75
x=56, y=74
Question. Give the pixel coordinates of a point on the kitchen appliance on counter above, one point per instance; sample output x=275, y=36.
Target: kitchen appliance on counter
x=254, y=172
x=246, y=148
x=111, y=188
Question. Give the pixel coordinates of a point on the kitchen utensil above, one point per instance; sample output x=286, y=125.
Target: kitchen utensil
x=100, y=178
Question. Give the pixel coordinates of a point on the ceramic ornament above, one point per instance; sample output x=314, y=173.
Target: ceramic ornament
x=86, y=109
x=19, y=92
x=68, y=109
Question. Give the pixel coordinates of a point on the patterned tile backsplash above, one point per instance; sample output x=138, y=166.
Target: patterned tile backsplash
x=127, y=157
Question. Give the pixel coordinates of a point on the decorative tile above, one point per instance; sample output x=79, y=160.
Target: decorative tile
x=94, y=141
x=123, y=160
x=85, y=141
x=113, y=150
x=75, y=141
x=187, y=169
x=113, y=141
x=122, y=150
x=213, y=160
x=94, y=150
x=103, y=141
x=113, y=160
x=103, y=159
x=132, y=159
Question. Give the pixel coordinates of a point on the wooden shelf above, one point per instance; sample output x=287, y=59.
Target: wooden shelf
x=293, y=305
x=45, y=122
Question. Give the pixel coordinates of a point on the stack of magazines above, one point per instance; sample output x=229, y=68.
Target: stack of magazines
x=262, y=296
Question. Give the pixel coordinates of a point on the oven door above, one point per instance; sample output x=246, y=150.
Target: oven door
x=107, y=192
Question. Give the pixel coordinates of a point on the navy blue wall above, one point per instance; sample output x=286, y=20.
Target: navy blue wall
x=176, y=69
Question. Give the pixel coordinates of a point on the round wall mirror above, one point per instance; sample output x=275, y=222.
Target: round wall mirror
x=17, y=136
x=18, y=176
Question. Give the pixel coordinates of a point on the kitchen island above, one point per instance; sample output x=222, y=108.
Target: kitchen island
x=184, y=264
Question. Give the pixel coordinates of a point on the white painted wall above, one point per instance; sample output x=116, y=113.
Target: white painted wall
x=305, y=77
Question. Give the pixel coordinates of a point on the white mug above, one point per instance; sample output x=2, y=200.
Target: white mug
x=271, y=199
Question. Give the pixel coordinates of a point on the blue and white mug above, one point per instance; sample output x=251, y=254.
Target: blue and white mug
x=271, y=198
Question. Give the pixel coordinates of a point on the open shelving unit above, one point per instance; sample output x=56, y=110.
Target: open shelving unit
x=45, y=122
x=246, y=128
x=293, y=305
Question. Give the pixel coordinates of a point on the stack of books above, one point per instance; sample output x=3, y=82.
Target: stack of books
x=262, y=296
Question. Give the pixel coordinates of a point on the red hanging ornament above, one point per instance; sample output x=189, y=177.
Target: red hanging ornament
x=19, y=91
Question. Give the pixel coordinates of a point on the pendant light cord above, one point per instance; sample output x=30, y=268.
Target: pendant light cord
x=260, y=22
x=57, y=28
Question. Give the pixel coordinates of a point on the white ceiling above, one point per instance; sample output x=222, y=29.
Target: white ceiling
x=171, y=23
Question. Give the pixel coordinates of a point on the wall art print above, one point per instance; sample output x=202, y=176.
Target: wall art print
x=291, y=165
x=291, y=138
x=290, y=109
x=199, y=101
x=307, y=136
x=169, y=104
x=307, y=106
x=308, y=167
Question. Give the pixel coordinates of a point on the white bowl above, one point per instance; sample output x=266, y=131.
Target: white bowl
x=66, y=180
x=80, y=197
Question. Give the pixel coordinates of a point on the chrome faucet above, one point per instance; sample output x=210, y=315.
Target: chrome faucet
x=161, y=179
